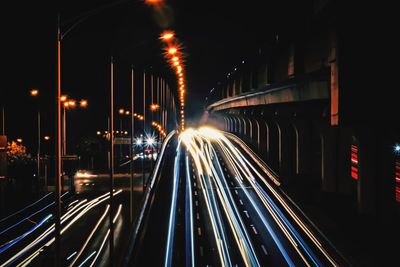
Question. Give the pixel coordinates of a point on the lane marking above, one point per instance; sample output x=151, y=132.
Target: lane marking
x=201, y=251
x=265, y=250
x=196, y=203
x=247, y=214
x=254, y=229
x=199, y=231
x=241, y=202
x=197, y=216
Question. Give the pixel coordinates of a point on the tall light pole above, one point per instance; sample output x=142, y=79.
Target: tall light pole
x=111, y=240
x=35, y=93
x=144, y=123
x=58, y=185
x=131, y=151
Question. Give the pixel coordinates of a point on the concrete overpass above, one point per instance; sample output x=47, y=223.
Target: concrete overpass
x=301, y=103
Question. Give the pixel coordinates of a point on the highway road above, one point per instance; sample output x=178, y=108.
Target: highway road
x=215, y=203
x=210, y=201
x=27, y=236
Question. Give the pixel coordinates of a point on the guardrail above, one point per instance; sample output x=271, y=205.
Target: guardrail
x=138, y=225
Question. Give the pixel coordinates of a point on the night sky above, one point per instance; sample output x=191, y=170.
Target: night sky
x=216, y=36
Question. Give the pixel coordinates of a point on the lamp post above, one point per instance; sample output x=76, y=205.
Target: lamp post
x=35, y=93
x=131, y=149
x=60, y=36
x=46, y=138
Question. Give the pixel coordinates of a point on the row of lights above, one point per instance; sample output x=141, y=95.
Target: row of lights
x=159, y=128
x=71, y=103
x=121, y=111
x=46, y=138
x=117, y=132
x=174, y=55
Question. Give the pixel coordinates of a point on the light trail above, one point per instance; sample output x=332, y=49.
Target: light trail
x=27, y=207
x=29, y=216
x=172, y=216
x=82, y=209
x=200, y=145
x=16, y=240
x=190, y=257
x=106, y=236
x=88, y=258
x=91, y=235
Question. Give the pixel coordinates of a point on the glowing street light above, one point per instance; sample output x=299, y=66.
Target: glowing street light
x=83, y=103
x=167, y=36
x=19, y=140
x=154, y=107
x=46, y=137
x=172, y=50
x=72, y=103
x=34, y=92
x=63, y=98
x=154, y=2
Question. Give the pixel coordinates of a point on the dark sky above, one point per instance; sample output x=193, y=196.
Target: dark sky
x=216, y=36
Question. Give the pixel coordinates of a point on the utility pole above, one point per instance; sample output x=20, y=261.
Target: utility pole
x=151, y=119
x=144, y=125
x=111, y=256
x=132, y=152
x=57, y=194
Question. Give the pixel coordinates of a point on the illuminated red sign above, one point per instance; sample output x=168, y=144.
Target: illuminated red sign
x=354, y=162
x=397, y=176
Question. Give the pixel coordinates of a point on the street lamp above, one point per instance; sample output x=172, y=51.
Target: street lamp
x=68, y=104
x=35, y=93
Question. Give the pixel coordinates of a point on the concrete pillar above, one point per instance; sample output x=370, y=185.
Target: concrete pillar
x=286, y=143
x=272, y=157
x=243, y=131
x=329, y=159
x=302, y=147
x=263, y=138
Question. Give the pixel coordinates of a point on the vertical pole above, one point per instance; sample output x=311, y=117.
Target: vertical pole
x=151, y=119
x=38, y=149
x=120, y=132
x=162, y=104
x=111, y=163
x=166, y=108
x=132, y=154
x=144, y=125
x=57, y=194
x=157, y=111
x=64, y=132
